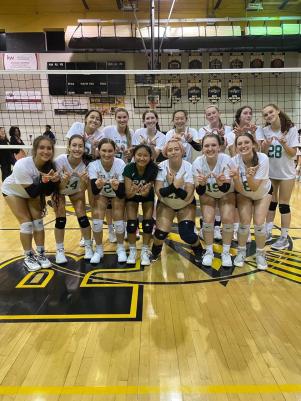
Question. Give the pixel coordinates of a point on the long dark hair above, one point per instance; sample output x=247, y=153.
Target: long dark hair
x=254, y=160
x=212, y=135
x=127, y=130
x=49, y=165
x=185, y=112
x=155, y=114
x=151, y=169
x=238, y=114
x=12, y=131
x=93, y=111
x=285, y=122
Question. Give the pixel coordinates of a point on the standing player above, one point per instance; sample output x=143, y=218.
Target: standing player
x=24, y=190
x=213, y=183
x=74, y=181
x=280, y=144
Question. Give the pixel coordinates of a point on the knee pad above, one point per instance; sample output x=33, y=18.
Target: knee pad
x=119, y=226
x=38, y=225
x=284, y=209
x=244, y=229
x=83, y=222
x=208, y=227
x=259, y=230
x=228, y=228
x=26, y=228
x=131, y=226
x=60, y=222
x=186, y=231
x=161, y=235
x=97, y=225
x=273, y=206
x=147, y=226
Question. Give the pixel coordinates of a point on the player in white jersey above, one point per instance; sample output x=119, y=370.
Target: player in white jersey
x=280, y=144
x=187, y=135
x=251, y=180
x=175, y=190
x=150, y=135
x=121, y=134
x=214, y=184
x=107, y=182
x=24, y=191
x=74, y=181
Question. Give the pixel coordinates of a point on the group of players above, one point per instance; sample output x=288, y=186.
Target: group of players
x=240, y=173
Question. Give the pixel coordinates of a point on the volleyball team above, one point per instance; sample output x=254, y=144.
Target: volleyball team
x=240, y=174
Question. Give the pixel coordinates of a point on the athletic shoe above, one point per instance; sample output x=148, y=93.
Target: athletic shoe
x=82, y=242
x=281, y=243
x=60, y=257
x=226, y=259
x=112, y=236
x=31, y=263
x=44, y=262
x=207, y=258
x=217, y=233
x=144, y=257
x=240, y=258
x=198, y=254
x=121, y=254
x=88, y=251
x=97, y=256
x=269, y=238
x=261, y=261
x=131, y=260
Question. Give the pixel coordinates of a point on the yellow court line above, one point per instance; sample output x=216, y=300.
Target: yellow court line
x=106, y=390
x=283, y=274
x=283, y=266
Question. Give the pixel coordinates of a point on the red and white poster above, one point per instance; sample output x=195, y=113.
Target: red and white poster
x=23, y=100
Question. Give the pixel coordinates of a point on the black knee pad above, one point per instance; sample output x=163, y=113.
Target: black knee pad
x=60, y=222
x=284, y=209
x=273, y=206
x=131, y=226
x=83, y=222
x=161, y=235
x=186, y=231
x=147, y=226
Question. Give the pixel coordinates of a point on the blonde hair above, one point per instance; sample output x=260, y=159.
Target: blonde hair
x=127, y=130
x=179, y=142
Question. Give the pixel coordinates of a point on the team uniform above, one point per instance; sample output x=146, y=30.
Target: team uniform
x=282, y=166
x=73, y=186
x=131, y=172
x=159, y=138
x=172, y=200
x=261, y=174
x=187, y=146
x=121, y=141
x=96, y=170
x=222, y=166
x=78, y=128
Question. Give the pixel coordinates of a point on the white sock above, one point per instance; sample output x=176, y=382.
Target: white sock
x=284, y=232
x=59, y=245
x=226, y=248
x=98, y=248
x=88, y=242
x=235, y=227
x=209, y=248
x=111, y=227
x=40, y=249
x=269, y=226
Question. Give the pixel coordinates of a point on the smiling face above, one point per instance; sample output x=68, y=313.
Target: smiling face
x=210, y=147
x=212, y=115
x=271, y=114
x=174, y=150
x=245, y=116
x=107, y=152
x=44, y=151
x=2, y=133
x=180, y=119
x=122, y=119
x=244, y=145
x=76, y=148
x=142, y=157
x=150, y=120
x=93, y=121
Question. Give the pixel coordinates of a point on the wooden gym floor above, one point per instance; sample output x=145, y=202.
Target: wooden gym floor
x=172, y=332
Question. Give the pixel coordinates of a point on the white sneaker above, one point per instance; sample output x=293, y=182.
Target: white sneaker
x=112, y=236
x=121, y=254
x=144, y=257
x=261, y=260
x=131, y=260
x=97, y=256
x=88, y=251
x=281, y=243
x=226, y=259
x=217, y=233
x=60, y=257
x=208, y=258
x=44, y=262
x=240, y=258
x=31, y=263
x=82, y=242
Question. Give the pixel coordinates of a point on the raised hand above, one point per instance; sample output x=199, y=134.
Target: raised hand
x=114, y=183
x=233, y=171
x=100, y=182
x=143, y=140
x=170, y=177
x=220, y=178
x=84, y=176
x=135, y=189
x=188, y=136
x=202, y=178
x=282, y=138
x=144, y=190
x=251, y=171
x=179, y=182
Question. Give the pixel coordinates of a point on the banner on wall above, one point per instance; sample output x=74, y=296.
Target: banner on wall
x=215, y=61
x=107, y=105
x=236, y=60
x=174, y=61
x=195, y=61
x=214, y=90
x=194, y=91
x=23, y=100
x=277, y=60
x=20, y=61
x=70, y=106
x=234, y=90
x=257, y=60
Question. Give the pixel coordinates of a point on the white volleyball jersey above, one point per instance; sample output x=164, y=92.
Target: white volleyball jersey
x=282, y=166
x=188, y=148
x=223, y=165
x=141, y=135
x=186, y=169
x=261, y=174
x=96, y=170
x=24, y=172
x=120, y=140
x=73, y=186
x=229, y=134
x=78, y=128
x=258, y=135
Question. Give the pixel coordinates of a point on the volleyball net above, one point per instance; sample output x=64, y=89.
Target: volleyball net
x=59, y=97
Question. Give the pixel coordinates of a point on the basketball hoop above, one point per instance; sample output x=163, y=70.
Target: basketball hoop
x=153, y=101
